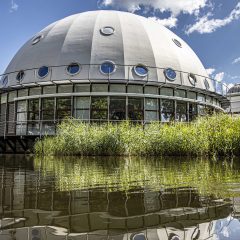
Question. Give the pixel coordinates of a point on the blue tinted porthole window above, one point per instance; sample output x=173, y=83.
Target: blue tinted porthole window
x=107, y=31
x=192, y=79
x=20, y=76
x=43, y=71
x=170, y=74
x=73, y=68
x=4, y=81
x=141, y=70
x=107, y=67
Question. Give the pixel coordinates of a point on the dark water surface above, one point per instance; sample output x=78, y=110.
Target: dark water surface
x=119, y=198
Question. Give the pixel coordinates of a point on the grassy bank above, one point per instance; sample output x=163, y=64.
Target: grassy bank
x=213, y=135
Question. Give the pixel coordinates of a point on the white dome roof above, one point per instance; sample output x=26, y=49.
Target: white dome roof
x=77, y=38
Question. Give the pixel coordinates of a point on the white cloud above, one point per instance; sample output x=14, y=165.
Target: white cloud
x=14, y=6
x=210, y=71
x=237, y=60
x=219, y=76
x=206, y=25
x=173, y=6
x=170, y=22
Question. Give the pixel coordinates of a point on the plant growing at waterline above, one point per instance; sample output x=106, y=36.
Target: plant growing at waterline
x=212, y=135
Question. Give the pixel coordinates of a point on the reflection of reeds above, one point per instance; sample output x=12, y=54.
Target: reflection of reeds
x=211, y=135
x=72, y=173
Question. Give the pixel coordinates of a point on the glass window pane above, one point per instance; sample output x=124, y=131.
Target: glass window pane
x=33, y=116
x=48, y=108
x=99, y=109
x=117, y=88
x=117, y=108
x=33, y=105
x=33, y=129
x=35, y=91
x=135, y=89
x=64, y=107
x=82, y=114
x=151, y=90
x=3, y=98
x=166, y=91
x=65, y=88
x=99, y=114
x=22, y=93
x=64, y=103
x=151, y=104
x=22, y=106
x=135, y=103
x=22, y=117
x=201, y=97
x=12, y=95
x=48, y=104
x=49, y=89
x=21, y=129
x=180, y=93
x=151, y=116
x=82, y=88
x=99, y=103
x=99, y=88
x=192, y=95
x=135, y=108
x=167, y=105
x=209, y=99
x=192, y=109
x=201, y=110
x=61, y=114
x=167, y=117
x=181, y=112
x=82, y=102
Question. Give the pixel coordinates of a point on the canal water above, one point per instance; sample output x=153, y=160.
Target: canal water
x=125, y=198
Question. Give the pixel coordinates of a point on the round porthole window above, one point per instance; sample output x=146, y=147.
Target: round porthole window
x=170, y=74
x=192, y=79
x=206, y=83
x=4, y=81
x=107, y=31
x=177, y=42
x=141, y=70
x=37, y=39
x=43, y=71
x=107, y=67
x=73, y=68
x=20, y=76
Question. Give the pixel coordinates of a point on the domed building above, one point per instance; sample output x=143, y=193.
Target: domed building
x=234, y=98
x=104, y=66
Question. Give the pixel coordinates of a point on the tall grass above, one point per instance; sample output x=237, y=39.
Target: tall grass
x=212, y=135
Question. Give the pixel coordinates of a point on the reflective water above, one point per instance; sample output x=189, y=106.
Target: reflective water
x=119, y=198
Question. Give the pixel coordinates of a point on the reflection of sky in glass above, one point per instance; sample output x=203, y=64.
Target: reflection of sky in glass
x=141, y=70
x=107, y=67
x=43, y=71
x=227, y=229
x=219, y=87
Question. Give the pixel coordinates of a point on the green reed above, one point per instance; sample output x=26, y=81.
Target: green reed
x=123, y=173
x=217, y=135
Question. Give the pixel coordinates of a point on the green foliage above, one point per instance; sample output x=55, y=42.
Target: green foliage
x=212, y=135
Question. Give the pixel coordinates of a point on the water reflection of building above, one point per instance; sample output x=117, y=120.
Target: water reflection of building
x=29, y=199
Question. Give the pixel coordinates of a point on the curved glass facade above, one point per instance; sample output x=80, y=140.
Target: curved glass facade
x=37, y=110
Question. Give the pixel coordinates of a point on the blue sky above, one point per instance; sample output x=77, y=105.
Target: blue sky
x=210, y=27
